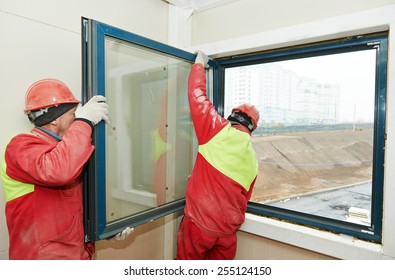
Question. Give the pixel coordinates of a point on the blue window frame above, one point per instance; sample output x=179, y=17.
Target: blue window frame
x=283, y=116
x=142, y=159
x=116, y=62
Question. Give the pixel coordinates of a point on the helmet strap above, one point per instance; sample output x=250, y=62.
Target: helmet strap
x=239, y=117
x=32, y=115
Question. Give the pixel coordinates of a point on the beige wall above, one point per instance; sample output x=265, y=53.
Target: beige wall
x=247, y=17
x=148, y=242
x=253, y=247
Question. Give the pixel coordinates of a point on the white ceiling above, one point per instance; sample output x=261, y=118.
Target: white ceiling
x=198, y=5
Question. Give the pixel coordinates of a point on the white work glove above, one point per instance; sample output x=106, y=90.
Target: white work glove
x=95, y=110
x=201, y=58
x=122, y=235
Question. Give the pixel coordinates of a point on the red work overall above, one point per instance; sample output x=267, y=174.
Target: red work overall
x=43, y=189
x=221, y=182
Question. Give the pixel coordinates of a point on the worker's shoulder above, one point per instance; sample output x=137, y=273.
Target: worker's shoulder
x=21, y=138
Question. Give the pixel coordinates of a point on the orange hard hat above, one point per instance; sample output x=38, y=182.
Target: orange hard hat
x=250, y=111
x=48, y=93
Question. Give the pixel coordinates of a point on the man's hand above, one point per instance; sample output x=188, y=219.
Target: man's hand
x=122, y=235
x=95, y=110
x=201, y=58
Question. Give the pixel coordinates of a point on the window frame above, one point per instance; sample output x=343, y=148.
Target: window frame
x=380, y=42
x=93, y=34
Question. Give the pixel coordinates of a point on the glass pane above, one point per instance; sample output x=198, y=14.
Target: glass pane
x=314, y=143
x=149, y=140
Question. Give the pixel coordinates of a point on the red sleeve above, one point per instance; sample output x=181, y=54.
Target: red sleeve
x=205, y=118
x=249, y=193
x=35, y=160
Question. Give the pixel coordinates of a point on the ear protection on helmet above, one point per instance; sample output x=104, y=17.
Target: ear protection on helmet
x=251, y=113
x=239, y=117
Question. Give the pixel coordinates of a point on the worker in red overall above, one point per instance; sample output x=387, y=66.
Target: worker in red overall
x=223, y=176
x=41, y=174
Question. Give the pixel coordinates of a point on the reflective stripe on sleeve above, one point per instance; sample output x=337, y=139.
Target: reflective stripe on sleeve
x=12, y=188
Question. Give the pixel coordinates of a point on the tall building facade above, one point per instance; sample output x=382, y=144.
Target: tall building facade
x=282, y=97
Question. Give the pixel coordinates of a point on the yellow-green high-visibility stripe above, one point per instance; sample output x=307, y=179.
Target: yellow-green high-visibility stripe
x=231, y=152
x=160, y=146
x=13, y=189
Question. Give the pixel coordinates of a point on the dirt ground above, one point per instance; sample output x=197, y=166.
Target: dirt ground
x=299, y=163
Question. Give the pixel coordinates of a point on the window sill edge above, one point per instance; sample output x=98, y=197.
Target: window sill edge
x=330, y=244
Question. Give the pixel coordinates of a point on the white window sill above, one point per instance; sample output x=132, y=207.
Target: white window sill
x=135, y=196
x=330, y=244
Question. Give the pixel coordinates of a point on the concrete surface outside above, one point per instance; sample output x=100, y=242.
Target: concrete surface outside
x=350, y=203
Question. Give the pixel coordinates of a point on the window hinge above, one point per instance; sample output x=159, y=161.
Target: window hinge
x=374, y=44
x=86, y=32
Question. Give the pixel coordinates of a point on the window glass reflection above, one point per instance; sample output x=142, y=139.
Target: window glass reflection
x=149, y=140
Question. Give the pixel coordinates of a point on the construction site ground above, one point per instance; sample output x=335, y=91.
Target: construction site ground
x=300, y=163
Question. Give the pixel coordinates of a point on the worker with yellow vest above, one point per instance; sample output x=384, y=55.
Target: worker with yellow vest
x=42, y=175
x=223, y=176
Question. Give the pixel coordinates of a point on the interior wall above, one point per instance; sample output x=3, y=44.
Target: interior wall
x=247, y=17
x=254, y=247
x=146, y=243
x=42, y=38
